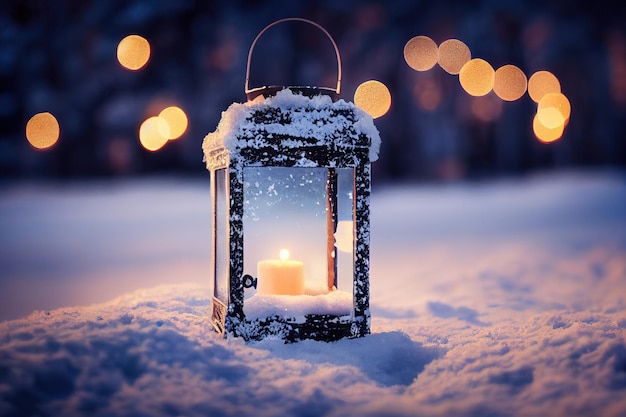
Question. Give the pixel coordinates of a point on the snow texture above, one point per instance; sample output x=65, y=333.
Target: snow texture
x=335, y=302
x=315, y=117
x=494, y=299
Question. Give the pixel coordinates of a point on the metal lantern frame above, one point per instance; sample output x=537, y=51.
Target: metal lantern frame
x=345, y=149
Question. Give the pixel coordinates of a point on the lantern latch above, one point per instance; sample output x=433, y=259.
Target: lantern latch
x=249, y=281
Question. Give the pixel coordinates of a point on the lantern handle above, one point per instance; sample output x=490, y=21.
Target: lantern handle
x=337, y=90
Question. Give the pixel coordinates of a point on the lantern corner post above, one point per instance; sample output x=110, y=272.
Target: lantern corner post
x=235, y=314
x=362, y=191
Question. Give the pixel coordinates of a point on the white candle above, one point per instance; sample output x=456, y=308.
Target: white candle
x=280, y=276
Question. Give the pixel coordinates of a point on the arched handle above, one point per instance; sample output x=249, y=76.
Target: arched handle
x=288, y=19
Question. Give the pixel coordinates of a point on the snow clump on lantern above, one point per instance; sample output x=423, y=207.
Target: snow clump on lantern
x=290, y=189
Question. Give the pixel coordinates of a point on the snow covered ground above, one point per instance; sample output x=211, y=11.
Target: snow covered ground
x=492, y=299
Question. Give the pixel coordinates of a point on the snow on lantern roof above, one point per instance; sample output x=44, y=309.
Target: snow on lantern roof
x=294, y=121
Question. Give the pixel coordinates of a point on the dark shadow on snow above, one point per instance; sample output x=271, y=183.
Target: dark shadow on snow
x=390, y=358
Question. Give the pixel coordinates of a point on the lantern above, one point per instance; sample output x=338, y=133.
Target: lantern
x=290, y=190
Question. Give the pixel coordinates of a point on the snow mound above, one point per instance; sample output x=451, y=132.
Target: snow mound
x=152, y=352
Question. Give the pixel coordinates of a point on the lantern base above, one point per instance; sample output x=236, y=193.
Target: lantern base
x=321, y=327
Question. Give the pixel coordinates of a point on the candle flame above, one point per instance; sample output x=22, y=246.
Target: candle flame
x=283, y=255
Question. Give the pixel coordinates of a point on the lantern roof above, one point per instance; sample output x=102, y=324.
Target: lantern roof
x=290, y=120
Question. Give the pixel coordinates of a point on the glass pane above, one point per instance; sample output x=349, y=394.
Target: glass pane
x=222, y=233
x=344, y=236
x=286, y=209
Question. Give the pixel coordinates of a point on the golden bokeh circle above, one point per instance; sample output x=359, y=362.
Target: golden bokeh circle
x=373, y=97
x=421, y=53
x=177, y=121
x=509, y=83
x=42, y=131
x=550, y=117
x=477, y=77
x=133, y=52
x=545, y=134
x=453, y=54
x=153, y=133
x=542, y=83
x=556, y=101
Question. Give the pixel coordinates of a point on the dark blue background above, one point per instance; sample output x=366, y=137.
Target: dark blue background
x=59, y=56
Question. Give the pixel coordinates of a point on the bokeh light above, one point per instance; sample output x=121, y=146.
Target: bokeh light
x=42, y=131
x=153, y=133
x=546, y=134
x=477, y=77
x=176, y=120
x=373, y=97
x=133, y=52
x=509, y=83
x=421, y=53
x=487, y=108
x=550, y=117
x=542, y=83
x=428, y=93
x=557, y=102
x=453, y=54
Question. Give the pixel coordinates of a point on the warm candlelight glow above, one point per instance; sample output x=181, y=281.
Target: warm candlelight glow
x=555, y=101
x=373, y=97
x=477, y=77
x=542, y=83
x=133, y=52
x=176, y=120
x=509, y=83
x=421, y=53
x=453, y=54
x=42, y=131
x=153, y=133
x=280, y=276
x=546, y=134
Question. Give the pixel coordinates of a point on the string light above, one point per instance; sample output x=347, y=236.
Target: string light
x=477, y=77
x=133, y=52
x=421, y=53
x=542, y=83
x=509, y=83
x=544, y=133
x=373, y=97
x=153, y=133
x=176, y=120
x=558, y=102
x=453, y=54
x=42, y=131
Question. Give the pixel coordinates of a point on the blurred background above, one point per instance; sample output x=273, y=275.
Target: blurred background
x=60, y=57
